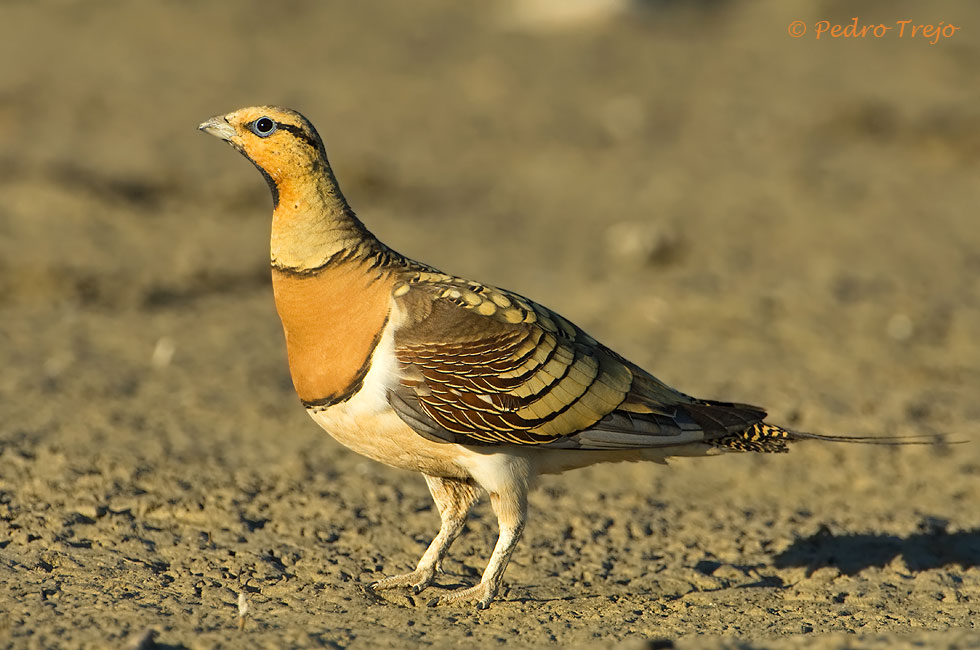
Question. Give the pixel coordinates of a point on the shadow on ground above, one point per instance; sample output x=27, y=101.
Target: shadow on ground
x=851, y=554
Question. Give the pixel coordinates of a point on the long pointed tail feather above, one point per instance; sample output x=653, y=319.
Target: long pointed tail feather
x=770, y=438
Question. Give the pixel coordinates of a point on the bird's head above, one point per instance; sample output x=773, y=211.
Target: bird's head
x=279, y=141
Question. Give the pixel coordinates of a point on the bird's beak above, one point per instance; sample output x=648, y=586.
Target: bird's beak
x=218, y=127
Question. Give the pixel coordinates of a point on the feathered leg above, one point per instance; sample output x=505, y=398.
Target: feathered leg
x=454, y=498
x=510, y=506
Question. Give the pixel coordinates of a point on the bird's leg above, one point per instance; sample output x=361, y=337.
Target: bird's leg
x=454, y=498
x=510, y=506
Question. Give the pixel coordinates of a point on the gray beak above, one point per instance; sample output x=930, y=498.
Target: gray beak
x=218, y=127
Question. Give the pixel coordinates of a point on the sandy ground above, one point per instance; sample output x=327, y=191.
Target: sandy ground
x=788, y=222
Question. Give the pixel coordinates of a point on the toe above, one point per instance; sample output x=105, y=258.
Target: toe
x=416, y=580
x=482, y=594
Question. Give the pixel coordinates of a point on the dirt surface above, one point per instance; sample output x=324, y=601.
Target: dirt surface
x=753, y=217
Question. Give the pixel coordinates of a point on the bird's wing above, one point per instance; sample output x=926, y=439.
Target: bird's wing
x=483, y=366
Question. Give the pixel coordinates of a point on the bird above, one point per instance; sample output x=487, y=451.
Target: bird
x=477, y=388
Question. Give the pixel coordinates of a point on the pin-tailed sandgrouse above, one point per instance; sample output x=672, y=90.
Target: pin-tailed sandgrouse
x=471, y=385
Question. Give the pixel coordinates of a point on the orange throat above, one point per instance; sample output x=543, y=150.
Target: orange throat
x=332, y=320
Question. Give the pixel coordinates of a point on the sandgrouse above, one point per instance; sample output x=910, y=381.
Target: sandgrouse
x=471, y=385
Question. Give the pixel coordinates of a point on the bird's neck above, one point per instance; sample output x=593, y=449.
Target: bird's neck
x=312, y=225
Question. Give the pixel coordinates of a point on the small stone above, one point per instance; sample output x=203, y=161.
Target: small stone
x=163, y=352
x=640, y=243
x=900, y=327
x=89, y=510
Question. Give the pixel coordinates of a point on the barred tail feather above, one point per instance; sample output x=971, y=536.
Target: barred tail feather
x=760, y=437
x=770, y=438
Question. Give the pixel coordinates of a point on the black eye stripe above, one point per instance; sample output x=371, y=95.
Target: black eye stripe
x=300, y=133
x=265, y=126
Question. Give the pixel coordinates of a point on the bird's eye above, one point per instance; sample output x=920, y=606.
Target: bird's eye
x=263, y=127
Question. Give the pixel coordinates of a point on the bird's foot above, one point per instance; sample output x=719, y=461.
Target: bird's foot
x=417, y=580
x=482, y=593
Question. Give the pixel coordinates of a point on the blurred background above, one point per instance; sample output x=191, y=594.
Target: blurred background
x=790, y=222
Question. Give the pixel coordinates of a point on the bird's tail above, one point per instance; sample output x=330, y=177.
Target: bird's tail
x=770, y=438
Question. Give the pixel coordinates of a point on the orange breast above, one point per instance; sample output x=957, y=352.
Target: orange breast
x=332, y=323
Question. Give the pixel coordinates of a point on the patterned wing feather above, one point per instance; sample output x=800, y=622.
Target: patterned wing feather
x=482, y=366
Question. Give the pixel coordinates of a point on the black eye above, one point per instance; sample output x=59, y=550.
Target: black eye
x=263, y=127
